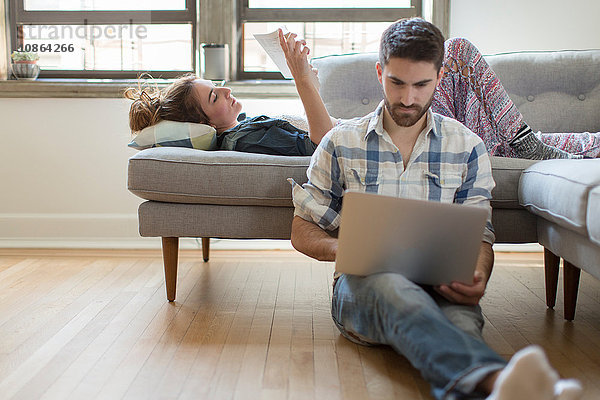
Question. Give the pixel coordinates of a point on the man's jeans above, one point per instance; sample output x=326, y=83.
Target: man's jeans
x=441, y=339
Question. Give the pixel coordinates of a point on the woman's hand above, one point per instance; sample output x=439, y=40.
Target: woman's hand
x=307, y=84
x=296, y=56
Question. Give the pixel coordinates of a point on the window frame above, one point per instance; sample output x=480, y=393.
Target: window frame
x=18, y=17
x=248, y=15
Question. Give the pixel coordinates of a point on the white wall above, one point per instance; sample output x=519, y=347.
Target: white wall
x=513, y=25
x=63, y=162
x=63, y=172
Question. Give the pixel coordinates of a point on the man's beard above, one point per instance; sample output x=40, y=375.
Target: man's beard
x=404, y=119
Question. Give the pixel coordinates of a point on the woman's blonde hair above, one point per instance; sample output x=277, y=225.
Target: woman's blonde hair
x=176, y=102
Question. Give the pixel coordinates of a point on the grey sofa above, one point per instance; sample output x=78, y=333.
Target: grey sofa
x=192, y=193
x=565, y=197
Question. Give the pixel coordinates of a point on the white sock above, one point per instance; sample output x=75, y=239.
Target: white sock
x=567, y=389
x=529, y=376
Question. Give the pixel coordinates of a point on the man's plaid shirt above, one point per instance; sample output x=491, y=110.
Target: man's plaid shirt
x=449, y=163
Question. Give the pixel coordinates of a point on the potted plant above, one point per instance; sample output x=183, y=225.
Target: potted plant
x=25, y=65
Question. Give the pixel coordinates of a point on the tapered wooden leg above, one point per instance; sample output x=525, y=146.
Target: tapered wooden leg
x=571, y=278
x=170, y=250
x=205, y=248
x=551, y=266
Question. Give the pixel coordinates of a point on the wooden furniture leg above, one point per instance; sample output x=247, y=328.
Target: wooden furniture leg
x=571, y=279
x=551, y=267
x=170, y=250
x=205, y=248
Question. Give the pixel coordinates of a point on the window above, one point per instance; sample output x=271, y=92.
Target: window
x=106, y=39
x=328, y=26
x=122, y=38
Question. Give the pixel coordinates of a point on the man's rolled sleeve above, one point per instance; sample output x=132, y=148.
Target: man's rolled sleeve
x=476, y=189
x=319, y=200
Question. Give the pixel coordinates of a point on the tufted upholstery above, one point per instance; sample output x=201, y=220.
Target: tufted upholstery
x=556, y=91
x=349, y=84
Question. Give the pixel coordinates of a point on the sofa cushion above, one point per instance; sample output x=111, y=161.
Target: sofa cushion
x=181, y=175
x=349, y=85
x=235, y=178
x=593, y=215
x=556, y=91
x=558, y=190
x=506, y=173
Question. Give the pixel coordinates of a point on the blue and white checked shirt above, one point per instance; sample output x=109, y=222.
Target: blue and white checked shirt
x=449, y=163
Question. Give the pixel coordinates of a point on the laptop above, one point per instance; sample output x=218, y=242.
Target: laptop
x=430, y=243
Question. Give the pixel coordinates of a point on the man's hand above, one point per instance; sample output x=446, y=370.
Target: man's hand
x=296, y=56
x=470, y=294
x=462, y=293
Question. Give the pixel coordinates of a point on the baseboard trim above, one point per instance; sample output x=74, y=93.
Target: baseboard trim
x=119, y=231
x=142, y=243
x=519, y=248
x=192, y=244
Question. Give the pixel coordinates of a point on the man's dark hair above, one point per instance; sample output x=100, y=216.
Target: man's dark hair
x=415, y=39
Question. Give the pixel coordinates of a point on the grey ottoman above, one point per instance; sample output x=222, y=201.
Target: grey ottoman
x=565, y=197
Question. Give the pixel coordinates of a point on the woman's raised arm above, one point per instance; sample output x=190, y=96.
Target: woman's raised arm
x=307, y=84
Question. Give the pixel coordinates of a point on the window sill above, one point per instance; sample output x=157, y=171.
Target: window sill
x=109, y=88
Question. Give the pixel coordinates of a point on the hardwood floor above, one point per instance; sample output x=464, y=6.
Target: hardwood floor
x=92, y=324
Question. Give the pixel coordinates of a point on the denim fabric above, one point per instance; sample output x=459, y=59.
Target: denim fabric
x=440, y=339
x=266, y=135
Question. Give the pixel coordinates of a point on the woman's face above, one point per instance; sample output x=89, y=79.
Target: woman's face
x=221, y=108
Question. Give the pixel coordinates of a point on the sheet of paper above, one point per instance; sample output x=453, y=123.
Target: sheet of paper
x=270, y=42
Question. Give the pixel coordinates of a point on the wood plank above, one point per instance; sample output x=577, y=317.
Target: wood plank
x=327, y=377
x=37, y=304
x=76, y=302
x=353, y=382
x=302, y=366
x=7, y=262
x=251, y=374
x=228, y=368
x=407, y=381
x=160, y=315
x=156, y=366
x=85, y=350
x=380, y=384
x=114, y=345
x=277, y=366
x=206, y=297
x=46, y=353
x=246, y=324
x=215, y=328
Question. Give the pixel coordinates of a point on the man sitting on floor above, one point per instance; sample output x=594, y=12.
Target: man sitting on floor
x=403, y=149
